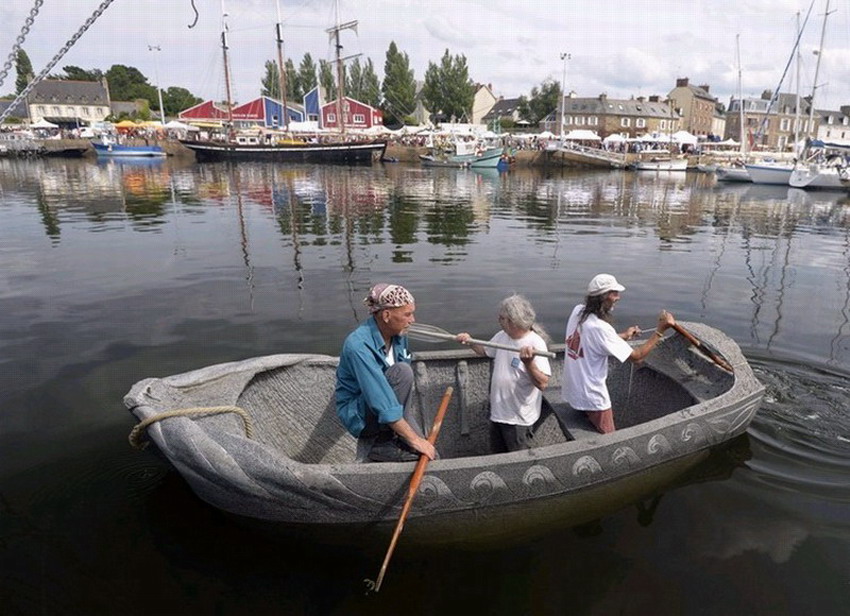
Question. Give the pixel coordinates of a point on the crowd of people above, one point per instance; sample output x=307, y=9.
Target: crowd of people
x=375, y=380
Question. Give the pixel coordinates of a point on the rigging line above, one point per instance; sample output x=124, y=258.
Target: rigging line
x=20, y=40
x=763, y=126
x=70, y=43
x=197, y=15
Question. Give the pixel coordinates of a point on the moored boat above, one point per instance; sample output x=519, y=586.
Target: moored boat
x=344, y=152
x=662, y=164
x=109, y=148
x=298, y=466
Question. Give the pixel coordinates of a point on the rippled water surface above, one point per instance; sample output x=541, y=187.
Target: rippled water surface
x=112, y=272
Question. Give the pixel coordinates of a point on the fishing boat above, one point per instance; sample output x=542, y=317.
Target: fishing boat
x=260, y=439
x=466, y=154
x=107, y=148
x=342, y=147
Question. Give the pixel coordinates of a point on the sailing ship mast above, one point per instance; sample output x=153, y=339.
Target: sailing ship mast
x=226, y=66
x=817, y=71
x=742, y=146
x=280, y=67
x=334, y=35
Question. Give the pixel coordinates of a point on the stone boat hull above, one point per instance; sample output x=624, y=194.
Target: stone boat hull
x=301, y=466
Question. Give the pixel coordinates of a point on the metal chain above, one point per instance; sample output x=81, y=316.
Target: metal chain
x=20, y=40
x=97, y=13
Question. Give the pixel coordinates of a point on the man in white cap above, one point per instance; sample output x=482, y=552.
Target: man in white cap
x=374, y=381
x=590, y=340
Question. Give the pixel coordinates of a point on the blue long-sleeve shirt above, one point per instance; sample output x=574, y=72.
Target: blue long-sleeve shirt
x=360, y=381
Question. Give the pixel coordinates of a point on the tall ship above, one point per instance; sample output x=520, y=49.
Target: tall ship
x=229, y=144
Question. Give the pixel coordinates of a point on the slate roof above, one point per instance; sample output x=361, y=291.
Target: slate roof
x=503, y=108
x=58, y=92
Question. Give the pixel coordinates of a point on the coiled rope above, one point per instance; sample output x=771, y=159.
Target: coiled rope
x=136, y=433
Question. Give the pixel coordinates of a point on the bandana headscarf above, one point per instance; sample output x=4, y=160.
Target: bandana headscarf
x=383, y=296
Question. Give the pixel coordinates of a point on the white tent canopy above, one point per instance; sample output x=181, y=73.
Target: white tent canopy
x=582, y=135
x=177, y=125
x=614, y=138
x=42, y=123
x=684, y=136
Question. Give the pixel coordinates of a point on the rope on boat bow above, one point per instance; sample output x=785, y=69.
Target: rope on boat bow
x=137, y=431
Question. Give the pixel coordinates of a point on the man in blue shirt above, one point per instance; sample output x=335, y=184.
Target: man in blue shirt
x=374, y=385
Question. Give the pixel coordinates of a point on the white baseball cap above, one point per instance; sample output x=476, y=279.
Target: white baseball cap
x=604, y=283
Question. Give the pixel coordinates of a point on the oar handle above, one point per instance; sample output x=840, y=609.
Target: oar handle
x=415, y=480
x=702, y=348
x=486, y=343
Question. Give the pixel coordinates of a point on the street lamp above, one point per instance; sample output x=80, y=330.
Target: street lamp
x=158, y=89
x=565, y=57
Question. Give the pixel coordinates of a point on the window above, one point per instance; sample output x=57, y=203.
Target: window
x=579, y=121
x=640, y=123
x=69, y=111
x=593, y=121
x=331, y=117
x=86, y=111
x=784, y=124
x=663, y=125
x=625, y=122
x=56, y=110
x=346, y=106
x=359, y=118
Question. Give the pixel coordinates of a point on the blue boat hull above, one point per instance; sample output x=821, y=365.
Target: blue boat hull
x=115, y=149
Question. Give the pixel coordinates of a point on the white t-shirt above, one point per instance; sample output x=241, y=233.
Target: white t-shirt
x=586, y=361
x=513, y=397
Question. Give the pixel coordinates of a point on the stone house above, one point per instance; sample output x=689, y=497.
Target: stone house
x=695, y=106
x=771, y=127
x=605, y=116
x=69, y=103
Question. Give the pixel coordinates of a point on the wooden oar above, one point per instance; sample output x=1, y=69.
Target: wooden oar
x=703, y=348
x=415, y=480
x=420, y=331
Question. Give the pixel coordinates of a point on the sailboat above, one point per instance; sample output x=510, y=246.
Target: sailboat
x=779, y=173
x=736, y=172
x=822, y=164
x=233, y=146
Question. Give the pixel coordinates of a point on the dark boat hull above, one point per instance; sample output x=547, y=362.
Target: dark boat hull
x=354, y=153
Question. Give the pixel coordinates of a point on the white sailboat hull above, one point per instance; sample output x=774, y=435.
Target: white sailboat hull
x=770, y=174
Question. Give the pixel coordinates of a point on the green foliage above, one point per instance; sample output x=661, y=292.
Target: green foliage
x=271, y=80
x=307, y=73
x=327, y=79
x=399, y=87
x=75, y=73
x=448, y=91
x=175, y=100
x=23, y=66
x=294, y=91
x=127, y=83
x=543, y=101
x=362, y=83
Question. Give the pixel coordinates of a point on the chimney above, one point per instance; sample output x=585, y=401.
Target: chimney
x=682, y=82
x=655, y=98
x=705, y=87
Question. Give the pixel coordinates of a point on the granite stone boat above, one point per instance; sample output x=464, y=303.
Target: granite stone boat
x=298, y=466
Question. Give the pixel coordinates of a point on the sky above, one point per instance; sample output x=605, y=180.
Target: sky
x=623, y=48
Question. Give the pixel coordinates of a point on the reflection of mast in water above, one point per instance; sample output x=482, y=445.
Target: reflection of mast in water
x=756, y=297
x=785, y=262
x=845, y=311
x=348, y=230
x=246, y=255
x=706, y=289
x=294, y=221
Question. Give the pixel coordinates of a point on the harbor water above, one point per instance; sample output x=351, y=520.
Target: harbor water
x=114, y=271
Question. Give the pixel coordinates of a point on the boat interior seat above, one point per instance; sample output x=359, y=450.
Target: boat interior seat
x=575, y=424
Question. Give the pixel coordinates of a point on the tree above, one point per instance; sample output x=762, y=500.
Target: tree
x=175, y=100
x=448, y=90
x=327, y=79
x=371, y=85
x=23, y=66
x=307, y=73
x=294, y=91
x=542, y=102
x=127, y=83
x=75, y=73
x=271, y=80
x=399, y=88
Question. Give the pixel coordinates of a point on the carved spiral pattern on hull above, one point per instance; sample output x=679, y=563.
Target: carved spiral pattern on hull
x=625, y=457
x=694, y=432
x=586, y=465
x=488, y=485
x=658, y=444
x=540, y=478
